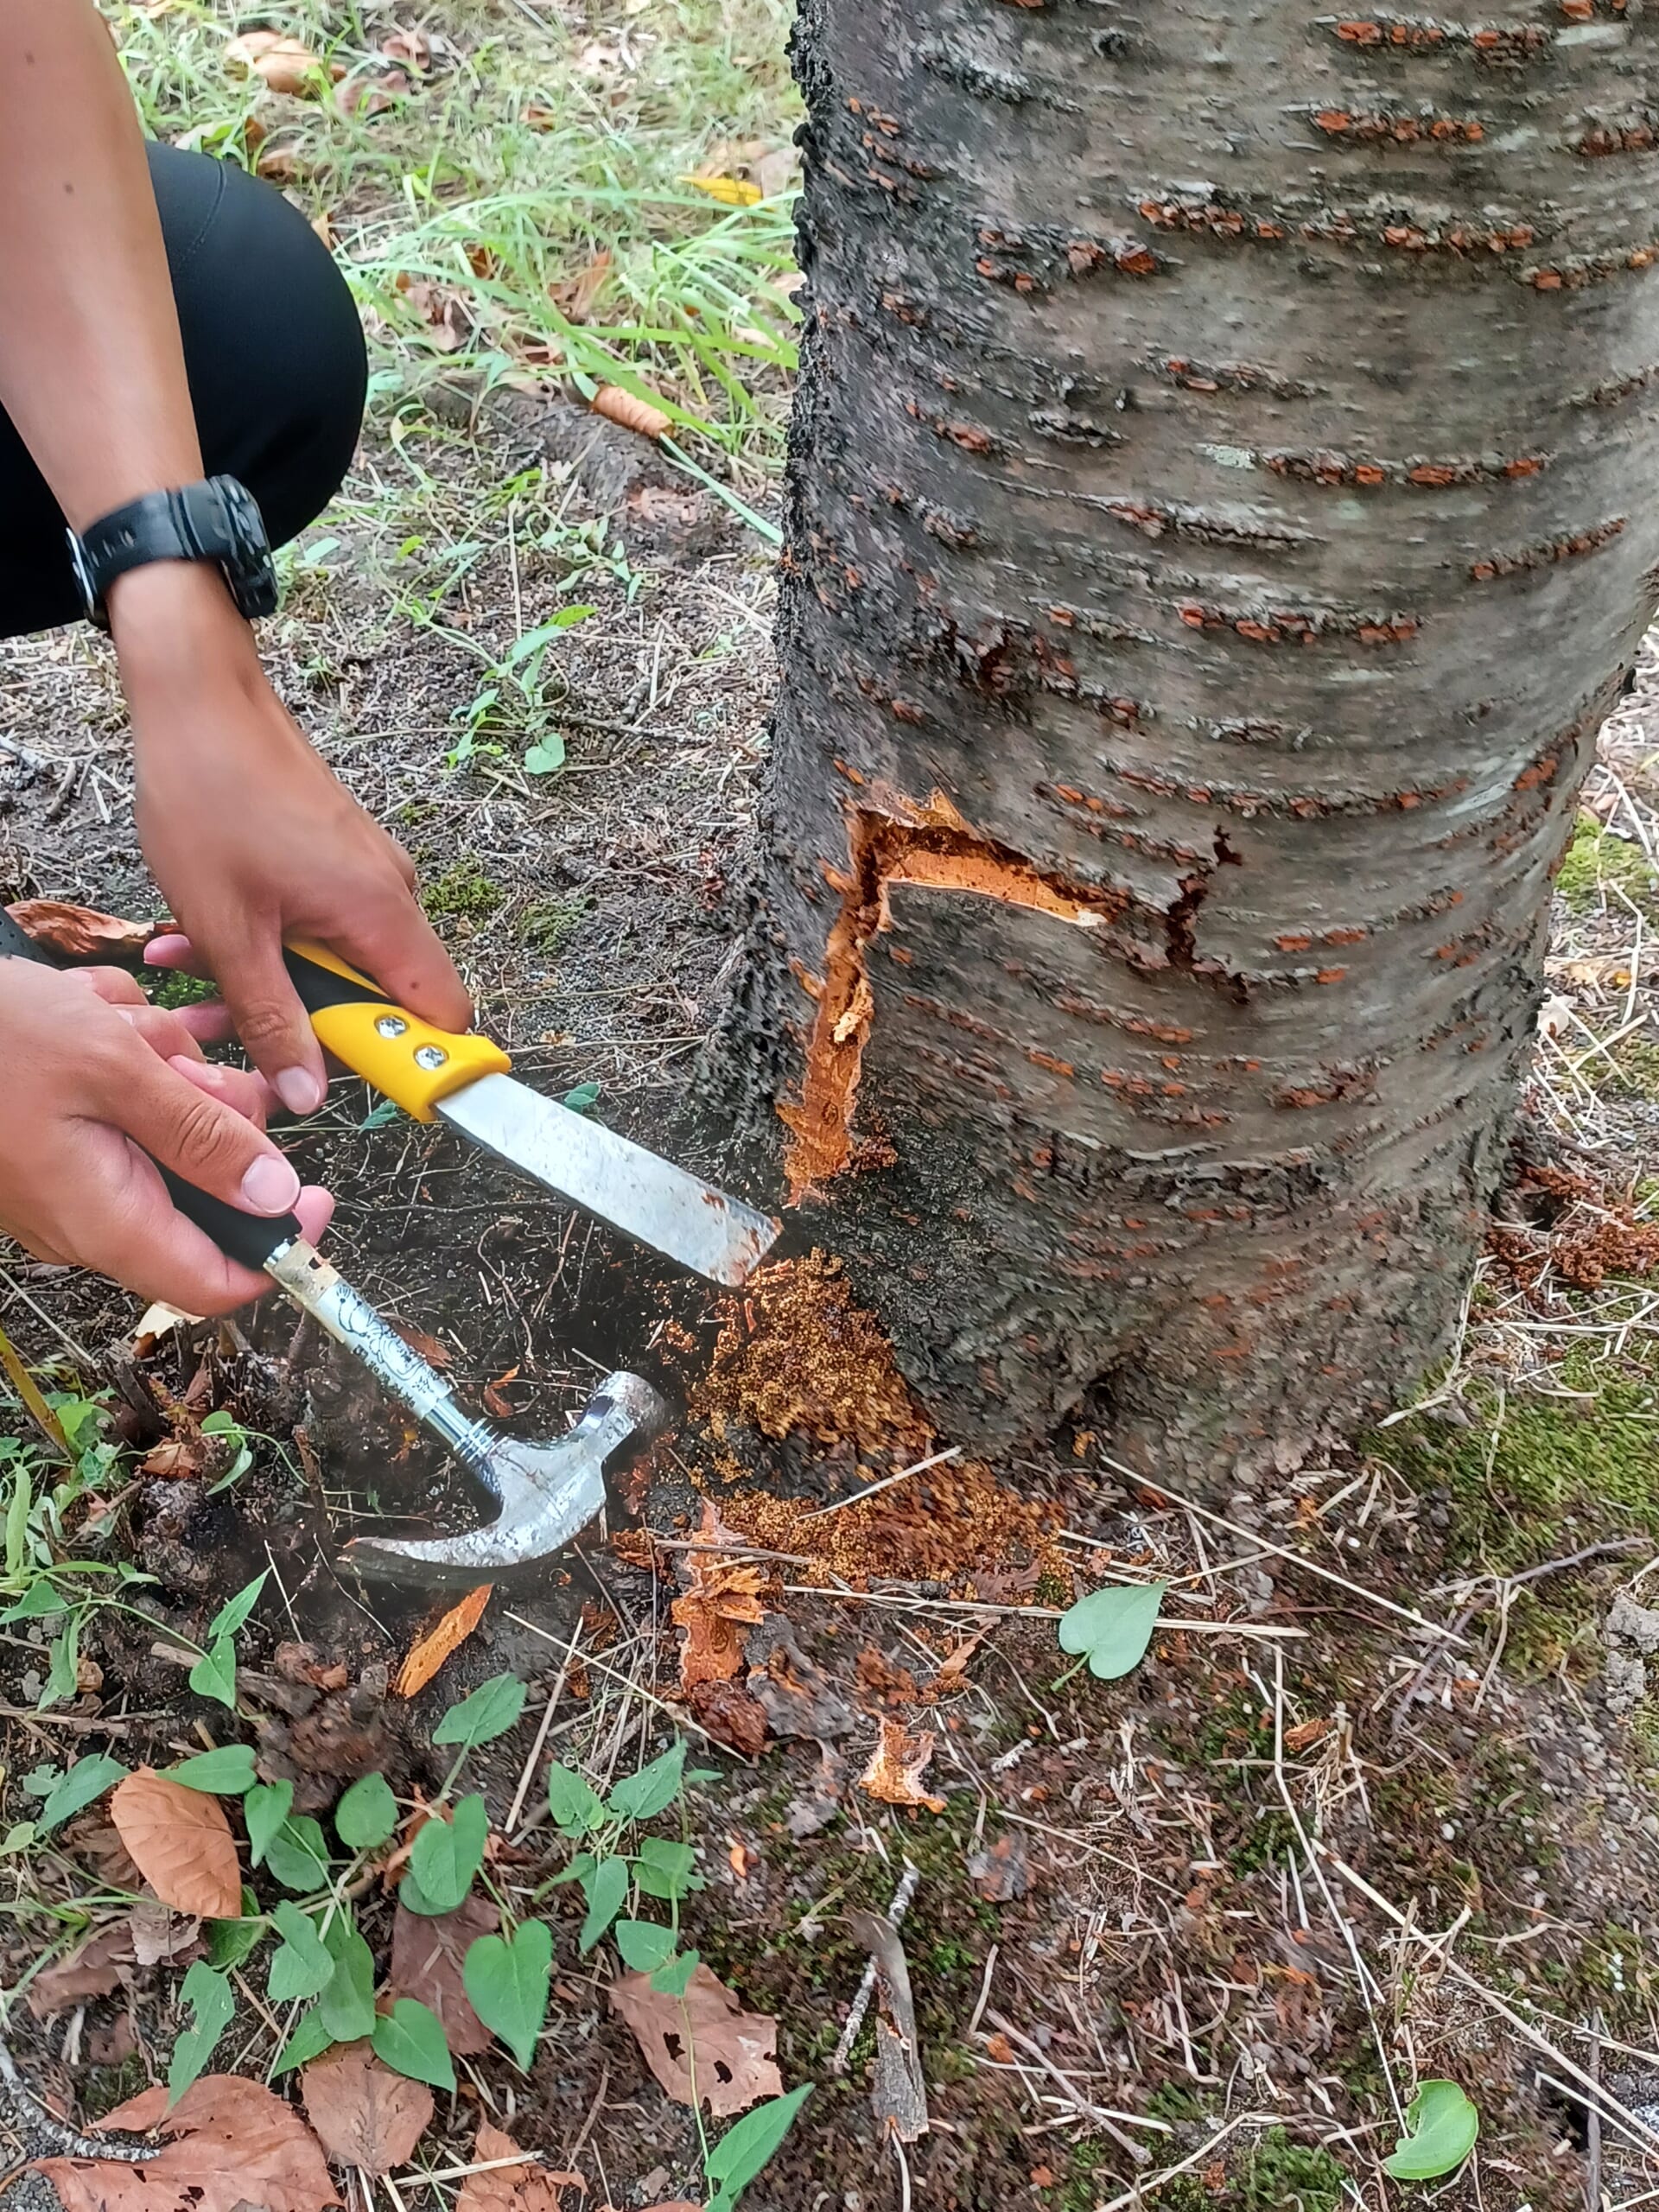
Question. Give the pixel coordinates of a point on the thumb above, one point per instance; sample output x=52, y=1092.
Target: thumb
x=272, y=1024
x=198, y=1135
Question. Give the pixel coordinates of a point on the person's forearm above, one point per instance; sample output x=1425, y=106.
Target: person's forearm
x=92, y=370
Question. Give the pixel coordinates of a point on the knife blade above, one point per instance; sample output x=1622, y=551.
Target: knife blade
x=466, y=1082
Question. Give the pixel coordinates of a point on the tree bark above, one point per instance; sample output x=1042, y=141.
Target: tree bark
x=1223, y=510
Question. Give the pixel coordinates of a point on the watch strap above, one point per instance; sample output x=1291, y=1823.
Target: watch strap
x=216, y=520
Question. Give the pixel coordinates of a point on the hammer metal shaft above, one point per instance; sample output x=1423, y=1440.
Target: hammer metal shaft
x=348, y=1318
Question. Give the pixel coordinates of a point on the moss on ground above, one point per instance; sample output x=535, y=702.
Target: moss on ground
x=172, y=988
x=545, y=926
x=1537, y=1475
x=463, y=894
x=1598, y=862
x=1275, y=2175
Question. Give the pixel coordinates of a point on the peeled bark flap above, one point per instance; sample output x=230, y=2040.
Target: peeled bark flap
x=1223, y=499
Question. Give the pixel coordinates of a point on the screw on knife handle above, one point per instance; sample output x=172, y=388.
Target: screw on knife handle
x=406, y=1059
x=248, y=1238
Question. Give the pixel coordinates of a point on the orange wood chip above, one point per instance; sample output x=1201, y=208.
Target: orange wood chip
x=633, y=414
x=428, y=1653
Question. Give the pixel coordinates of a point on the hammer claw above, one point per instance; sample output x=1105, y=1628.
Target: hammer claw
x=546, y=1494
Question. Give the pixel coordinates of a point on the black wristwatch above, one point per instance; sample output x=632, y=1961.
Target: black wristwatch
x=218, y=521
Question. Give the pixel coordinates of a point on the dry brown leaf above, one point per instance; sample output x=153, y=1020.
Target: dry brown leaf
x=364, y=96
x=495, y=1394
x=182, y=1844
x=722, y=1603
x=82, y=933
x=529, y=2187
x=574, y=296
x=158, y=1934
x=176, y=1458
x=413, y=48
x=896, y=1766
x=731, y=1714
x=365, y=2115
x=428, y=1952
x=734, y=2048
x=286, y=65
x=94, y=1841
x=433, y=1353
x=441, y=308
x=158, y=1319
x=234, y=2144
x=280, y=164
x=97, y=1970
x=428, y=1653
x=618, y=406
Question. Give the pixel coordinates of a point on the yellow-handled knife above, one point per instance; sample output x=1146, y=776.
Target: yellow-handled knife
x=465, y=1081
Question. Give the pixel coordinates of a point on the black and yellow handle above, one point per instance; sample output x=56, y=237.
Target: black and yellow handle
x=405, y=1059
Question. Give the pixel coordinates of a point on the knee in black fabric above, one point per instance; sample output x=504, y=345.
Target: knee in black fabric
x=272, y=343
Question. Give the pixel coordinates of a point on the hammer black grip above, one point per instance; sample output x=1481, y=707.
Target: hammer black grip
x=248, y=1238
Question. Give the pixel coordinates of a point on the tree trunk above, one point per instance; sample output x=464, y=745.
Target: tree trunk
x=1223, y=510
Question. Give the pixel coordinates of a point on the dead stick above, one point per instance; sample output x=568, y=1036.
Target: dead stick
x=896, y=1911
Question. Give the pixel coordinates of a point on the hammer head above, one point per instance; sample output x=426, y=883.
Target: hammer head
x=546, y=1493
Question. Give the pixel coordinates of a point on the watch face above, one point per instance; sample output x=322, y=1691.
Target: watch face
x=248, y=568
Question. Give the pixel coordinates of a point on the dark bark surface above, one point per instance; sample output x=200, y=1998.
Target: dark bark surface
x=1224, y=508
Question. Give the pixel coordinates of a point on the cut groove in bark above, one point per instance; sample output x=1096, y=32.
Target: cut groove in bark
x=936, y=850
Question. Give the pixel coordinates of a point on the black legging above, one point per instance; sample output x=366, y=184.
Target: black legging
x=277, y=366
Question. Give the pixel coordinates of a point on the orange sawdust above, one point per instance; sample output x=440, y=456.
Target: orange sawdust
x=931, y=846
x=955, y=1525
x=797, y=1356
x=719, y=1603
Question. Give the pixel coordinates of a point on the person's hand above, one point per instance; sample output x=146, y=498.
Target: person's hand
x=93, y=1072
x=250, y=838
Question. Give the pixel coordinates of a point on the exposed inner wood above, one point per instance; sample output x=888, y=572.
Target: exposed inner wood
x=885, y=851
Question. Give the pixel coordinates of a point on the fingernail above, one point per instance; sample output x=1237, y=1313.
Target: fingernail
x=270, y=1185
x=299, y=1090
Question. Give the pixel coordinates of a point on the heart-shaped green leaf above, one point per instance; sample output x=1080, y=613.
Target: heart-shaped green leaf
x=214, y=1674
x=410, y=2042
x=231, y=1942
x=212, y=2004
x=491, y=1709
x=1112, y=1627
x=235, y=1610
x=345, y=2007
x=87, y=1779
x=749, y=2144
x=674, y=1978
x=641, y=1796
x=308, y=2041
x=644, y=1945
x=264, y=1812
x=605, y=1886
x=298, y=1856
x=227, y=1772
x=445, y=1856
x=666, y=1868
x=303, y=1965
x=367, y=1814
x=1442, y=2126
x=507, y=1981
x=573, y=1803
